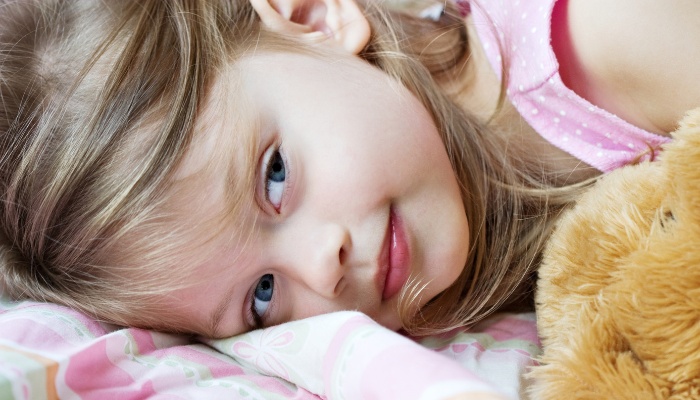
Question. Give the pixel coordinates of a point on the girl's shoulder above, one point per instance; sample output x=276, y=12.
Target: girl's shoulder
x=636, y=58
x=559, y=69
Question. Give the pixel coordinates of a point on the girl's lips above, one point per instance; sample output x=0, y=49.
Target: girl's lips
x=394, y=259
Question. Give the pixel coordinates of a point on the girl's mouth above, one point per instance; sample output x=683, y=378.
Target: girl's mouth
x=395, y=257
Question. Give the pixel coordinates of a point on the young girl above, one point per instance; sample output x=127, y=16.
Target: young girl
x=212, y=167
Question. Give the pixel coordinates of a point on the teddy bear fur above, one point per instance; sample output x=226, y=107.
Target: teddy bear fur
x=618, y=293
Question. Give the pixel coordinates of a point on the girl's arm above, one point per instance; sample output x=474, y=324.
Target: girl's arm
x=639, y=59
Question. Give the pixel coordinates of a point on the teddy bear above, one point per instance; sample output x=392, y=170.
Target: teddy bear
x=618, y=291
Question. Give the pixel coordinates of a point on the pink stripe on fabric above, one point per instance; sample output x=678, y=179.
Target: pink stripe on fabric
x=91, y=375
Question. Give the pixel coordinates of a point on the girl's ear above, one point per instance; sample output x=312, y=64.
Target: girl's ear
x=339, y=23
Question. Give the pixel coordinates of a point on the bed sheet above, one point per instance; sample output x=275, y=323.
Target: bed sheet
x=49, y=351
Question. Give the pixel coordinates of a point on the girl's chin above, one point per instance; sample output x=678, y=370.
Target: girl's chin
x=392, y=322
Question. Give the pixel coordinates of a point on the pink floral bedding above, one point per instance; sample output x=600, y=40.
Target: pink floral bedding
x=48, y=351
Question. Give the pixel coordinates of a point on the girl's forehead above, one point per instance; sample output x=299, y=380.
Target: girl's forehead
x=215, y=180
x=226, y=135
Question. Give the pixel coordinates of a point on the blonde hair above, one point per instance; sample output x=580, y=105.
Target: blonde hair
x=99, y=104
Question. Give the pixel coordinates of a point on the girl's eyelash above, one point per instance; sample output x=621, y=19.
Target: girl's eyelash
x=275, y=177
x=253, y=316
x=258, y=321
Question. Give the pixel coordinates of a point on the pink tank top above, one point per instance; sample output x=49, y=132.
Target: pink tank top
x=522, y=30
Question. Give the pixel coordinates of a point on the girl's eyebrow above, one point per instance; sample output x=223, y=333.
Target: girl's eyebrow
x=218, y=315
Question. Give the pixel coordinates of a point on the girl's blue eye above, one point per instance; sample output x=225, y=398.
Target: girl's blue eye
x=262, y=296
x=275, y=176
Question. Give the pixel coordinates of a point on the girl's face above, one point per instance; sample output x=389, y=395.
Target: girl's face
x=353, y=193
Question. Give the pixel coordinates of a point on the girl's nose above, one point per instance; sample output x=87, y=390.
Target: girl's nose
x=318, y=258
